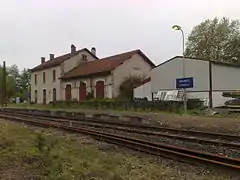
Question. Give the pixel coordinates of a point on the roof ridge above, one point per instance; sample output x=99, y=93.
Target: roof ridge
x=59, y=59
x=65, y=55
x=132, y=51
x=105, y=64
x=101, y=59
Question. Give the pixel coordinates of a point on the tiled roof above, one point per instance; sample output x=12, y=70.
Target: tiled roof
x=148, y=79
x=103, y=65
x=58, y=60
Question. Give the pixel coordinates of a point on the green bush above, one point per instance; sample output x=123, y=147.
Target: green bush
x=171, y=106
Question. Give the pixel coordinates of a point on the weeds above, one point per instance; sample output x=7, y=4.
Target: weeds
x=57, y=157
x=44, y=145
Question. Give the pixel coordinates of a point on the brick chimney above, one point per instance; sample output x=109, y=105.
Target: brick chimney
x=73, y=48
x=42, y=60
x=51, y=56
x=93, y=51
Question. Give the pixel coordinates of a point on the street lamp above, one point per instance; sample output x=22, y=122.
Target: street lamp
x=178, y=28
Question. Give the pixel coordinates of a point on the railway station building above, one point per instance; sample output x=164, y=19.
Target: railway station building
x=74, y=75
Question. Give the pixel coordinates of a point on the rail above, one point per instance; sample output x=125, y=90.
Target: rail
x=136, y=128
x=174, y=152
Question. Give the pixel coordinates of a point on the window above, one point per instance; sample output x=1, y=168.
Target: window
x=44, y=96
x=54, y=75
x=84, y=57
x=54, y=95
x=35, y=94
x=68, y=92
x=35, y=79
x=44, y=77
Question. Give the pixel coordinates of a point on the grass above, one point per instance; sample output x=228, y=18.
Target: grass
x=28, y=152
x=25, y=105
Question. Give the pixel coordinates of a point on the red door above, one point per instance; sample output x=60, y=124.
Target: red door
x=68, y=93
x=82, y=91
x=54, y=95
x=100, y=90
x=35, y=96
x=44, y=96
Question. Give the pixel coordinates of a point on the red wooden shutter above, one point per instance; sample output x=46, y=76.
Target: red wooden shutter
x=54, y=75
x=35, y=78
x=44, y=77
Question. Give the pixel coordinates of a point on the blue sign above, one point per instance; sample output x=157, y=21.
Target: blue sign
x=184, y=83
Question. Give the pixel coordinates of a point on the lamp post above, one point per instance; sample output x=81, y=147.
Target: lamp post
x=178, y=28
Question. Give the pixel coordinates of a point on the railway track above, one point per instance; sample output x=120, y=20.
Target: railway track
x=183, y=135
x=173, y=152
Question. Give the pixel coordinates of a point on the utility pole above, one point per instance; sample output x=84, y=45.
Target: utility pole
x=4, y=85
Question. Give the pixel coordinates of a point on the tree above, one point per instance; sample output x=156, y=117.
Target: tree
x=24, y=80
x=215, y=40
x=17, y=83
x=127, y=86
x=24, y=83
x=13, y=71
x=10, y=83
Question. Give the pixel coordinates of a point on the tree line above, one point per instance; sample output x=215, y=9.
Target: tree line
x=215, y=39
x=17, y=82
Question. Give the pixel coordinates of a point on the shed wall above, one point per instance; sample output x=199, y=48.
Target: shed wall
x=143, y=91
x=164, y=76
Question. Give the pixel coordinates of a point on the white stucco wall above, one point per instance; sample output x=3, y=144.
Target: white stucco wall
x=143, y=91
x=49, y=84
x=76, y=60
x=135, y=66
x=164, y=76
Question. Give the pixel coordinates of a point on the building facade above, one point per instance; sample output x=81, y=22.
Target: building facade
x=75, y=75
x=211, y=78
x=45, y=82
x=103, y=77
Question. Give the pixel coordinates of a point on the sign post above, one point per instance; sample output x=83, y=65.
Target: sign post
x=183, y=83
x=4, y=86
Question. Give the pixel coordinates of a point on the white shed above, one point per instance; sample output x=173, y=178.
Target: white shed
x=210, y=78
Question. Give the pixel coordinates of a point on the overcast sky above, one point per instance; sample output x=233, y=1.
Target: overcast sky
x=34, y=28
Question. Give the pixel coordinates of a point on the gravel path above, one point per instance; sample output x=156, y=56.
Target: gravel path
x=223, y=151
